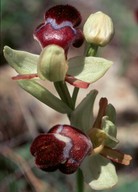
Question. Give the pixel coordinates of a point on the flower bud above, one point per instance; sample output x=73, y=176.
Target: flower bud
x=52, y=64
x=98, y=29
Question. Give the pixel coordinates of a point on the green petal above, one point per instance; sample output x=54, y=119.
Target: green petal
x=111, y=131
x=99, y=172
x=23, y=62
x=43, y=95
x=82, y=116
x=111, y=113
x=88, y=69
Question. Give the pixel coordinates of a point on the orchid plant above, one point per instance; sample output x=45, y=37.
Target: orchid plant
x=87, y=144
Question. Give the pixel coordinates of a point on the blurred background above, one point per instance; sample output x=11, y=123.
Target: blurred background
x=22, y=117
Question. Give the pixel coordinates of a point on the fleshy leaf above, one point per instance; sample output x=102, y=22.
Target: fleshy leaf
x=111, y=131
x=82, y=116
x=43, y=95
x=88, y=69
x=99, y=172
x=23, y=62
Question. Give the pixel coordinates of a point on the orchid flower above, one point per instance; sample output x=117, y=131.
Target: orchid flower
x=63, y=147
x=90, y=147
x=56, y=35
x=97, y=168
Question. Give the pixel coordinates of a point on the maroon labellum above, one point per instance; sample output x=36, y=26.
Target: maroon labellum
x=63, y=147
x=59, y=28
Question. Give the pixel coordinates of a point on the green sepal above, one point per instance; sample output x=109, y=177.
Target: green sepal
x=99, y=172
x=88, y=69
x=111, y=131
x=43, y=95
x=109, y=126
x=82, y=116
x=23, y=62
x=111, y=113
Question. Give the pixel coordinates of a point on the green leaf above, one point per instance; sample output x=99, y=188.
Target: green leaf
x=88, y=69
x=23, y=62
x=99, y=172
x=43, y=95
x=111, y=131
x=82, y=116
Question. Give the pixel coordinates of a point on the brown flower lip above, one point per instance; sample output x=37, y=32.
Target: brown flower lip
x=63, y=147
x=59, y=28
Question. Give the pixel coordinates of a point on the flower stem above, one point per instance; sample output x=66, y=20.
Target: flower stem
x=74, y=95
x=91, y=50
x=80, y=181
x=64, y=94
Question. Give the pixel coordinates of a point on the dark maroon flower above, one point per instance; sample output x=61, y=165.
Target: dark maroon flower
x=63, y=147
x=60, y=28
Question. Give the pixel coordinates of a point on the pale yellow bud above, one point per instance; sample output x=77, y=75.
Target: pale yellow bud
x=52, y=64
x=98, y=29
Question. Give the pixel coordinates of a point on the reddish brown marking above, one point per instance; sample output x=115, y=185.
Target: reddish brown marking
x=25, y=76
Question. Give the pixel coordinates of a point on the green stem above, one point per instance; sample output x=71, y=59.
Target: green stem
x=80, y=181
x=91, y=50
x=74, y=95
x=64, y=94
